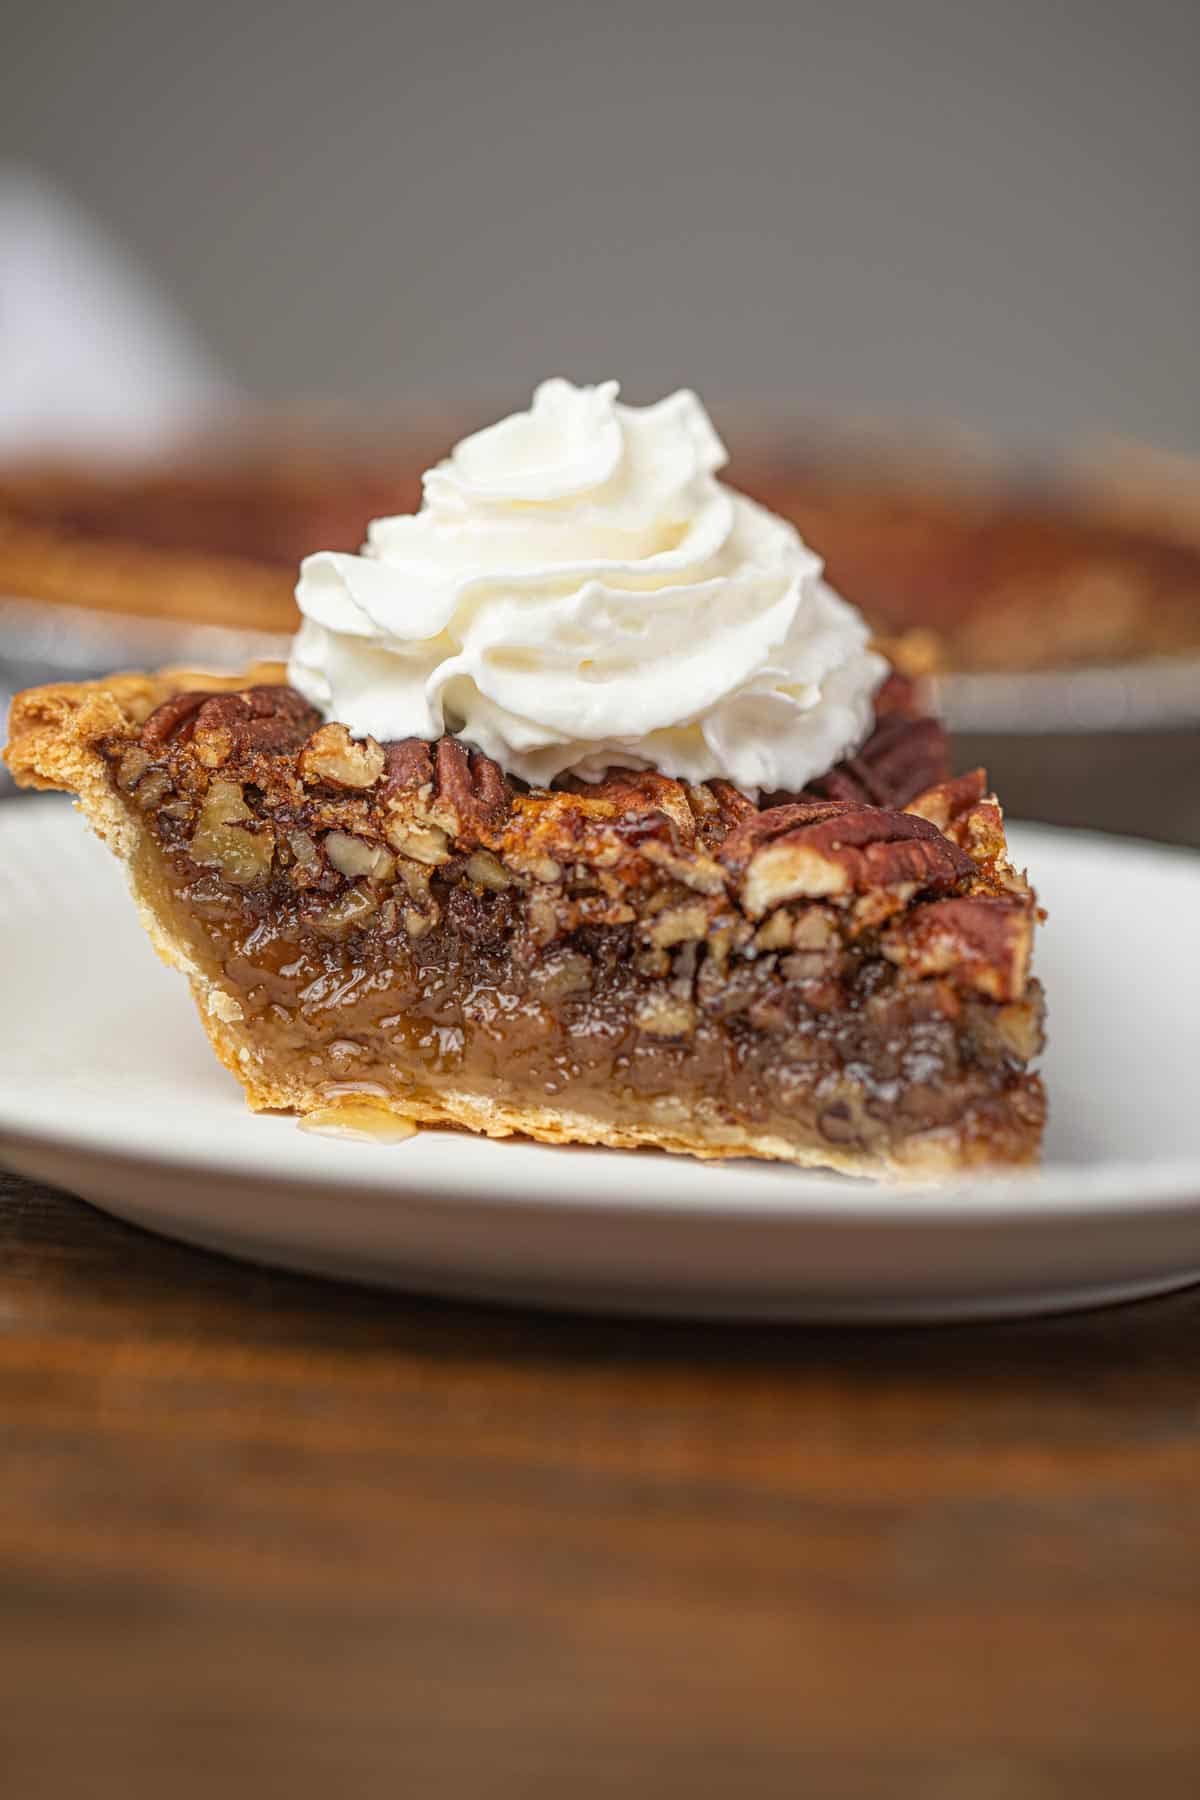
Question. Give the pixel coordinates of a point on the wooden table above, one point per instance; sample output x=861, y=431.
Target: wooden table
x=263, y=1535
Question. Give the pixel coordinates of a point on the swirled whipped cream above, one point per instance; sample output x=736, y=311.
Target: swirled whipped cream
x=577, y=592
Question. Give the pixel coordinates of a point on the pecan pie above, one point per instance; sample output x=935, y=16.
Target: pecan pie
x=839, y=977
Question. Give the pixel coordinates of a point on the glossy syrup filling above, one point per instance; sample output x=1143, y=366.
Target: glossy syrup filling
x=860, y=1062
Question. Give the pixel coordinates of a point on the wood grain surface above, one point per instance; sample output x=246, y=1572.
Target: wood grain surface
x=265, y=1535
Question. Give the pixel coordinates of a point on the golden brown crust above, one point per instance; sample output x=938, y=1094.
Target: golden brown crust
x=53, y=731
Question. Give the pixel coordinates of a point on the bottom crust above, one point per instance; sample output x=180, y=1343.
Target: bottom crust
x=936, y=1154
x=699, y=1130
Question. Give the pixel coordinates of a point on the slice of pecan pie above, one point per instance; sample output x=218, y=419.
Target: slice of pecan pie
x=839, y=978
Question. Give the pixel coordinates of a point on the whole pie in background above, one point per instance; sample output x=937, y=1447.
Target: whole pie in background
x=1000, y=572
x=207, y=538
x=1097, y=564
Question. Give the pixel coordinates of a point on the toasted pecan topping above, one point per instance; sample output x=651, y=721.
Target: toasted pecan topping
x=948, y=800
x=983, y=940
x=468, y=797
x=270, y=720
x=170, y=719
x=408, y=764
x=471, y=793
x=827, y=849
x=902, y=758
x=332, y=757
x=371, y=834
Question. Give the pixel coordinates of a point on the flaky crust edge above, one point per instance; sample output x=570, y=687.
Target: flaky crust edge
x=53, y=732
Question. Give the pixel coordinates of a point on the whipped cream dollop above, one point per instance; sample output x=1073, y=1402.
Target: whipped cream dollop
x=579, y=592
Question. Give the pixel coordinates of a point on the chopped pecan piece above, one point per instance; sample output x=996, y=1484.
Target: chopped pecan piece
x=694, y=869
x=354, y=856
x=971, y=818
x=665, y=1015
x=350, y=912
x=485, y=869
x=132, y=767
x=408, y=764
x=332, y=758
x=560, y=973
x=983, y=940
x=775, y=933
x=426, y=844
x=948, y=800
x=683, y=924
x=229, y=838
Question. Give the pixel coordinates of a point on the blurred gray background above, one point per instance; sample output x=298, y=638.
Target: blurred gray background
x=918, y=212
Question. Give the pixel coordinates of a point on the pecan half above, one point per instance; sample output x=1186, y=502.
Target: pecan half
x=902, y=758
x=906, y=754
x=470, y=795
x=832, y=850
x=268, y=719
x=169, y=719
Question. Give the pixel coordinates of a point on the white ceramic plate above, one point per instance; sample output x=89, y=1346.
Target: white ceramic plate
x=108, y=1089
